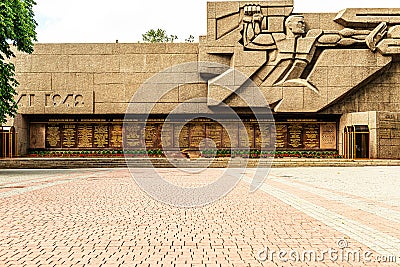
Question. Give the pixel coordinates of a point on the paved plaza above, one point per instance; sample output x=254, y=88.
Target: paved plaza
x=298, y=217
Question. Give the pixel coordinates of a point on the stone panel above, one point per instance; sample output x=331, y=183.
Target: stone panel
x=169, y=60
x=211, y=10
x=34, y=82
x=272, y=94
x=293, y=98
x=226, y=8
x=130, y=90
x=153, y=63
x=377, y=95
x=23, y=63
x=319, y=77
x=108, y=78
x=132, y=63
x=49, y=49
x=105, y=108
x=190, y=91
x=89, y=49
x=172, y=96
x=313, y=101
x=225, y=25
x=327, y=22
x=106, y=93
x=50, y=63
x=143, y=48
x=182, y=48
x=72, y=82
x=94, y=63
x=312, y=21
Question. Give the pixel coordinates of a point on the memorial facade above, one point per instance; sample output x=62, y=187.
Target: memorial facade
x=331, y=81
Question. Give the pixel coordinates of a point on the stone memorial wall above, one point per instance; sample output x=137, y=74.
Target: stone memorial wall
x=205, y=133
x=315, y=65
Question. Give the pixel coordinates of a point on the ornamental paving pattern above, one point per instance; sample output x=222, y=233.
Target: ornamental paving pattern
x=100, y=217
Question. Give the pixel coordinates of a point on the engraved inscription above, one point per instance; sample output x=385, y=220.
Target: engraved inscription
x=247, y=133
x=328, y=136
x=167, y=140
x=133, y=135
x=116, y=136
x=184, y=136
x=197, y=134
x=385, y=133
x=65, y=100
x=281, y=136
x=263, y=136
x=214, y=132
x=311, y=136
x=152, y=136
x=26, y=100
x=101, y=136
x=68, y=136
x=53, y=136
x=85, y=136
x=395, y=133
x=295, y=134
x=230, y=135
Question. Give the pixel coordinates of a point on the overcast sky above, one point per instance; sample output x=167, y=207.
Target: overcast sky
x=105, y=21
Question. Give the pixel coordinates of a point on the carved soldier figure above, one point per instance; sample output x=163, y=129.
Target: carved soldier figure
x=289, y=54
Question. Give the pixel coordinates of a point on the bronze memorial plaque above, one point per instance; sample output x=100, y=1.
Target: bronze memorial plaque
x=133, y=134
x=37, y=135
x=53, y=136
x=116, y=136
x=263, y=136
x=100, y=136
x=69, y=132
x=281, y=136
x=85, y=136
x=328, y=136
x=197, y=134
x=230, y=135
x=311, y=136
x=183, y=135
x=214, y=132
x=152, y=136
x=246, y=137
x=385, y=133
x=295, y=136
x=167, y=131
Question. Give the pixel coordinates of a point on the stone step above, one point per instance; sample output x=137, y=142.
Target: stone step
x=70, y=163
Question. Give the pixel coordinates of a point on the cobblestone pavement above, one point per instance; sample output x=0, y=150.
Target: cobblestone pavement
x=100, y=217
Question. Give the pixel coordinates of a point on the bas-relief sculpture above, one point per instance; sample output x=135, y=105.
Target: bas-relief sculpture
x=296, y=67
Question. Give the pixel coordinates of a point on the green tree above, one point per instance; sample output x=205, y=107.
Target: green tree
x=190, y=39
x=17, y=28
x=158, y=36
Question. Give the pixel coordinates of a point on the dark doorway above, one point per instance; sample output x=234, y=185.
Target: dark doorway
x=356, y=142
x=8, y=142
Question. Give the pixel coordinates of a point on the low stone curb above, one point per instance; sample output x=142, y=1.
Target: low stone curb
x=72, y=163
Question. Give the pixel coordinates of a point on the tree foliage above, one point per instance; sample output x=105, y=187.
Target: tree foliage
x=190, y=39
x=158, y=36
x=17, y=28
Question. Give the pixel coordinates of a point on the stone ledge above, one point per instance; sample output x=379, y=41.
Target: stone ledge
x=71, y=163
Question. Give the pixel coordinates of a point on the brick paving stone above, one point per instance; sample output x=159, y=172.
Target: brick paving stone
x=104, y=218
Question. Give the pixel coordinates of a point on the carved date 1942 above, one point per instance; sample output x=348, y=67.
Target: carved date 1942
x=65, y=100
